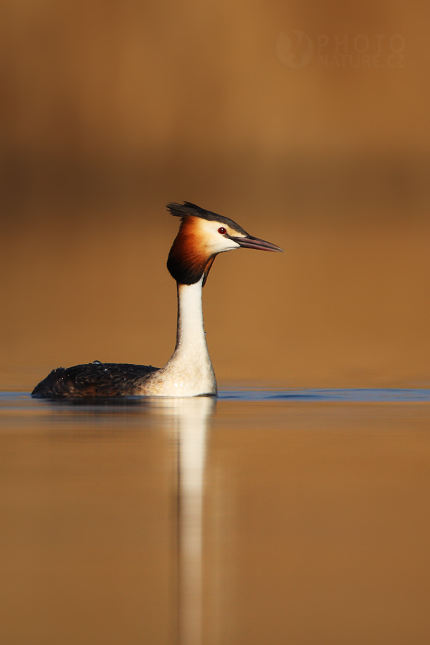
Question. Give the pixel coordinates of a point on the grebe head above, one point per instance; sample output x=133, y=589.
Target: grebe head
x=202, y=235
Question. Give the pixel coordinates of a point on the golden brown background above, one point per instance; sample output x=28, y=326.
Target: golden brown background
x=110, y=110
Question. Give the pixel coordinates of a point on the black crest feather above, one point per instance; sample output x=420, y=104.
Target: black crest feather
x=188, y=208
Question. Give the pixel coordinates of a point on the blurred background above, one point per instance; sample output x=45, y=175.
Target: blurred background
x=305, y=122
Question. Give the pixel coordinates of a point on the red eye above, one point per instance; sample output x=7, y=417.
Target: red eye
x=222, y=230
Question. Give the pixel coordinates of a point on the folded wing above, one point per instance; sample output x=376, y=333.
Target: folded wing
x=94, y=379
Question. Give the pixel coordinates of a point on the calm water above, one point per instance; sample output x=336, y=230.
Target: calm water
x=268, y=516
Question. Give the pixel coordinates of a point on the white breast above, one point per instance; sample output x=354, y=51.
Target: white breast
x=189, y=372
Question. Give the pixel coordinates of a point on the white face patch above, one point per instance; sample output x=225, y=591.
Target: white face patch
x=213, y=235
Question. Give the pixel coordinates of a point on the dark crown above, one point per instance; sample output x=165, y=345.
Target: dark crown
x=187, y=208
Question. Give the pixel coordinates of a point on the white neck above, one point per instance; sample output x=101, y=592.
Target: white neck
x=189, y=372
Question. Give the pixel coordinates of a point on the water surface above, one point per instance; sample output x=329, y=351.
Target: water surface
x=267, y=516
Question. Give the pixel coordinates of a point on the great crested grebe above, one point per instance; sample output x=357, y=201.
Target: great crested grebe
x=189, y=372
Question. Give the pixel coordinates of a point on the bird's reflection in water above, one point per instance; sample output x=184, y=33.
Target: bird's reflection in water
x=188, y=420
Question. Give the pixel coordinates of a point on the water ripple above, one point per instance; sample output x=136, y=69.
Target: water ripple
x=336, y=395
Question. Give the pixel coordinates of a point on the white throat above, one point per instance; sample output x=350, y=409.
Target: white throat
x=189, y=372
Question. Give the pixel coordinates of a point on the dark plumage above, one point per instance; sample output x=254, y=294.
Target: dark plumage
x=93, y=379
x=187, y=208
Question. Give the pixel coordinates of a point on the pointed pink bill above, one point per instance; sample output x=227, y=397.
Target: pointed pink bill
x=251, y=242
